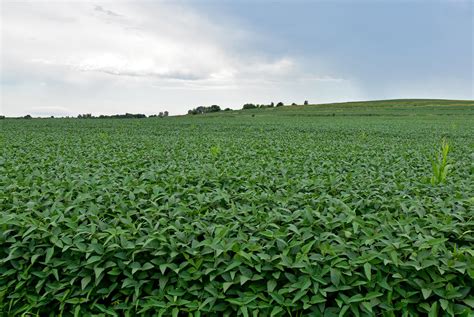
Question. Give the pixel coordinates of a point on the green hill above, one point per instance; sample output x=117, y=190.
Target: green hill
x=395, y=107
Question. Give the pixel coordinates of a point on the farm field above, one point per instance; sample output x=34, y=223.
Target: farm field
x=319, y=210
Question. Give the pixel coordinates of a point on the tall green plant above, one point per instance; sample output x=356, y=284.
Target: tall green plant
x=440, y=164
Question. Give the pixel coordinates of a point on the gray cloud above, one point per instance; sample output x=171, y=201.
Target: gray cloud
x=177, y=75
x=107, y=12
x=137, y=56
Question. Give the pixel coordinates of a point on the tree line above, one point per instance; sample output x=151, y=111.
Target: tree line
x=123, y=116
x=216, y=108
x=204, y=109
x=113, y=116
x=197, y=110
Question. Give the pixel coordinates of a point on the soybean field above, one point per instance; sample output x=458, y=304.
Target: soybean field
x=353, y=209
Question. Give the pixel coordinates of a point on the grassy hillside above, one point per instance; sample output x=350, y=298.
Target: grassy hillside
x=399, y=107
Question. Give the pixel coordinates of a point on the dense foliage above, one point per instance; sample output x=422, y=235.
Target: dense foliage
x=114, y=116
x=277, y=214
x=203, y=109
x=248, y=106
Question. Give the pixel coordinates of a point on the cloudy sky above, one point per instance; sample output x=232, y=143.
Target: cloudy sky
x=71, y=57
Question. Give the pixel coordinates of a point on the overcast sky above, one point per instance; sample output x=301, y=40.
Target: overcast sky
x=71, y=57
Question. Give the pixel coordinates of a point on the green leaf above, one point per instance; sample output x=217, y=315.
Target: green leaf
x=85, y=281
x=343, y=310
x=93, y=259
x=127, y=283
x=49, y=254
x=444, y=304
x=434, y=310
x=307, y=283
x=356, y=298
x=243, y=279
x=163, y=268
x=271, y=284
x=244, y=311
x=135, y=266
x=77, y=311
x=368, y=271
x=372, y=295
x=469, y=302
x=226, y=285
x=335, y=276
x=367, y=306
x=147, y=266
x=426, y=292
x=275, y=311
x=394, y=257
x=175, y=312
x=98, y=271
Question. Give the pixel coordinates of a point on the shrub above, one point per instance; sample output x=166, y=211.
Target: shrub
x=214, y=108
x=249, y=106
x=201, y=109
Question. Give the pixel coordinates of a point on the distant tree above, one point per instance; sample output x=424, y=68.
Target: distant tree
x=249, y=106
x=2, y=117
x=114, y=116
x=202, y=109
x=27, y=117
x=129, y=116
x=280, y=104
x=293, y=104
x=227, y=109
x=306, y=102
x=214, y=108
x=272, y=105
x=163, y=114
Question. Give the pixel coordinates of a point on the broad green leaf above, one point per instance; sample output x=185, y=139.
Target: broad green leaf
x=368, y=271
x=49, y=254
x=426, y=292
x=271, y=284
x=85, y=281
x=335, y=276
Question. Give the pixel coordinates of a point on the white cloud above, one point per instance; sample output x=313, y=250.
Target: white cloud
x=161, y=41
x=90, y=48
